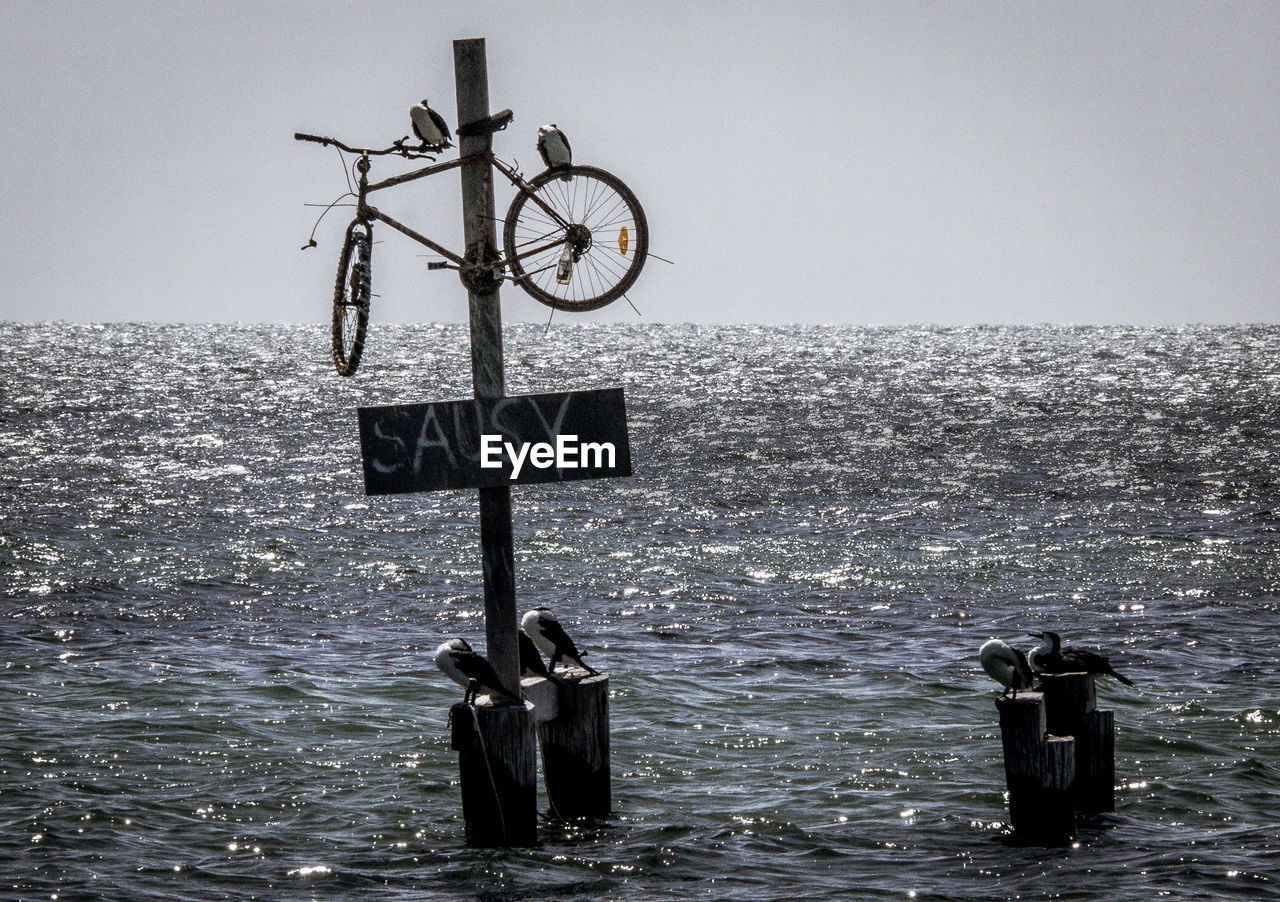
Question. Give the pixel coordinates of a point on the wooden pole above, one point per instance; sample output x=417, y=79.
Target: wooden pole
x=498, y=752
x=1039, y=772
x=496, y=544
x=575, y=747
x=1071, y=710
x=498, y=773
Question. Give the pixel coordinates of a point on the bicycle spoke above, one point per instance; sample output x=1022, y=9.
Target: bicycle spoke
x=591, y=209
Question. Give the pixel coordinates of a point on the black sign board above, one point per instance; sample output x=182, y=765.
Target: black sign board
x=485, y=442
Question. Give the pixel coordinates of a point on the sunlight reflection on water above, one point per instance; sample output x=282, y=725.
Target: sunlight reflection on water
x=217, y=674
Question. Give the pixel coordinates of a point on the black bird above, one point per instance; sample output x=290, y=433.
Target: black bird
x=1006, y=665
x=471, y=671
x=429, y=126
x=551, y=639
x=1056, y=659
x=531, y=662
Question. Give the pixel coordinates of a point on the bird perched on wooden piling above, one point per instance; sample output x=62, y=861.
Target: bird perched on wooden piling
x=554, y=147
x=1006, y=665
x=550, y=638
x=429, y=126
x=459, y=663
x=1056, y=659
x=531, y=661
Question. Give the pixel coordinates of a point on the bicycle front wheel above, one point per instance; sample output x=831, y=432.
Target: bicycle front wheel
x=351, y=294
x=576, y=239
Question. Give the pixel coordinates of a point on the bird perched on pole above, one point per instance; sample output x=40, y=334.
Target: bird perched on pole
x=550, y=638
x=531, y=662
x=1006, y=665
x=1053, y=658
x=459, y=663
x=554, y=147
x=429, y=126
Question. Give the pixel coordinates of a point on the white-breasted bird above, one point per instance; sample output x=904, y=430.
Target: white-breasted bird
x=550, y=638
x=554, y=147
x=1053, y=658
x=473, y=672
x=429, y=126
x=1006, y=665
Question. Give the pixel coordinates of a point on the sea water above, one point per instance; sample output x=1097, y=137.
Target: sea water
x=217, y=678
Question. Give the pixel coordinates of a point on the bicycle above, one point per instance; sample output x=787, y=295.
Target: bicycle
x=574, y=238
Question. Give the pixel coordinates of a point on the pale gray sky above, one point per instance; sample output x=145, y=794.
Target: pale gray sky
x=856, y=162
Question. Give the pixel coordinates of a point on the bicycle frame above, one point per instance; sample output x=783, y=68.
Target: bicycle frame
x=555, y=226
x=366, y=212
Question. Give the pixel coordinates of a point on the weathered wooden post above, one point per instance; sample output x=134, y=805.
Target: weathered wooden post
x=575, y=746
x=498, y=773
x=496, y=544
x=1039, y=772
x=497, y=750
x=1071, y=710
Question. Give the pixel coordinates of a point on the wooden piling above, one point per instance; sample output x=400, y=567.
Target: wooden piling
x=498, y=769
x=1096, y=757
x=1039, y=772
x=1071, y=710
x=573, y=728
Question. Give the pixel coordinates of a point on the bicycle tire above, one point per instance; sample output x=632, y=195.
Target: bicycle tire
x=351, y=293
x=598, y=206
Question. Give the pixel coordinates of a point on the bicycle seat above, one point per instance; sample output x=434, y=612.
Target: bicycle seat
x=487, y=126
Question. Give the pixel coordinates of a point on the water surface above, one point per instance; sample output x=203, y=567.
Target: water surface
x=217, y=678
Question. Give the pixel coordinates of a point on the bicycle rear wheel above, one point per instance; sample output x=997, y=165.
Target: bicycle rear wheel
x=589, y=259
x=351, y=294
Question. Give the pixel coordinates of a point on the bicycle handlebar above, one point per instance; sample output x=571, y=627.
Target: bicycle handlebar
x=363, y=151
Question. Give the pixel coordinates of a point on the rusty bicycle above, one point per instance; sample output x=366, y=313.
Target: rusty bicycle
x=574, y=237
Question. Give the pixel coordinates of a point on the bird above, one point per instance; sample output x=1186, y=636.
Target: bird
x=531, y=661
x=551, y=639
x=554, y=147
x=429, y=126
x=471, y=671
x=1006, y=665
x=1056, y=659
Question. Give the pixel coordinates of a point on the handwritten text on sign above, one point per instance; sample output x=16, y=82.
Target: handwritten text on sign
x=456, y=444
